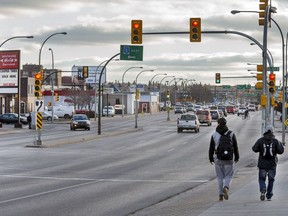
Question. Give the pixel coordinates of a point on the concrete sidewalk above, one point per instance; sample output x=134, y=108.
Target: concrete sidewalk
x=246, y=201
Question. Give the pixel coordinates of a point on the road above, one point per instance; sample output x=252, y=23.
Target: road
x=151, y=170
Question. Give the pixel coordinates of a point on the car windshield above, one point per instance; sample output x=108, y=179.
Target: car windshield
x=188, y=117
x=80, y=118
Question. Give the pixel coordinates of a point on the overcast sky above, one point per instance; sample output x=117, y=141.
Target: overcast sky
x=97, y=28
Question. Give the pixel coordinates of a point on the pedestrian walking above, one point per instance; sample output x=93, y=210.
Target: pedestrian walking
x=29, y=120
x=268, y=147
x=223, y=152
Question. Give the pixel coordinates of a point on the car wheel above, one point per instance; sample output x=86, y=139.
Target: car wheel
x=179, y=130
x=49, y=119
x=88, y=128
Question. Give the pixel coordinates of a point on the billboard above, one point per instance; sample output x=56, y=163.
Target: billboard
x=9, y=71
x=87, y=75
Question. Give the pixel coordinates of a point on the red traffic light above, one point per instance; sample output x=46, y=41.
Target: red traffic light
x=195, y=23
x=136, y=25
x=272, y=77
x=38, y=76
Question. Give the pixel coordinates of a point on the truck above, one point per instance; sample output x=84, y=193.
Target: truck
x=61, y=111
x=188, y=122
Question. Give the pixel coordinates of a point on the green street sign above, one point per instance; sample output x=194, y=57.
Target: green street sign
x=226, y=86
x=273, y=68
x=131, y=53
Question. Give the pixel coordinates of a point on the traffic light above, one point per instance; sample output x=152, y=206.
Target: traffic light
x=85, y=72
x=272, y=83
x=38, y=85
x=262, y=7
x=259, y=77
x=217, y=78
x=56, y=97
x=195, y=29
x=263, y=100
x=136, y=31
x=168, y=95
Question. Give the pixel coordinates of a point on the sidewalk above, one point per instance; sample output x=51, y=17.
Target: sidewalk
x=246, y=201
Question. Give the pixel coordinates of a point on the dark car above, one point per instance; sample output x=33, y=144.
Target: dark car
x=80, y=121
x=215, y=114
x=12, y=118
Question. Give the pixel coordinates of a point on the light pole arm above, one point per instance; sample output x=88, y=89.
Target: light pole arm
x=14, y=38
x=64, y=33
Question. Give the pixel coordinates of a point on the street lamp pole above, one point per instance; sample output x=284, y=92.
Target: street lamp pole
x=15, y=38
x=99, y=89
x=123, y=89
x=160, y=90
x=64, y=33
x=150, y=82
x=52, y=84
x=136, y=99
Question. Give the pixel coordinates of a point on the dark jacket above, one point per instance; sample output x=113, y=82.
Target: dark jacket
x=270, y=163
x=220, y=130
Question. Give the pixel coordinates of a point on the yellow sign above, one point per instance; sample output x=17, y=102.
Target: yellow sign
x=286, y=122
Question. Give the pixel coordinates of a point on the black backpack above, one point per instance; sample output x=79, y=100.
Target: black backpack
x=268, y=150
x=225, y=148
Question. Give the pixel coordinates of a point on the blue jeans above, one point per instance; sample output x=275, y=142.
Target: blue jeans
x=262, y=181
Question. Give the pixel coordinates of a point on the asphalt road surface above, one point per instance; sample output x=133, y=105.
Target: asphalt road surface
x=151, y=170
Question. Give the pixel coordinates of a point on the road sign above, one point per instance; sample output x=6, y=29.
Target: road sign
x=39, y=120
x=39, y=106
x=132, y=53
x=226, y=86
x=273, y=68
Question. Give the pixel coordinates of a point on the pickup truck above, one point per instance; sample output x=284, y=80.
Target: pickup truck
x=188, y=122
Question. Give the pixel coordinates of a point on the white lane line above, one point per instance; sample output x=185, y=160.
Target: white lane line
x=171, y=149
x=108, y=180
x=45, y=192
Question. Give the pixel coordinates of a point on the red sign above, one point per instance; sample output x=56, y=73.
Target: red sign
x=9, y=59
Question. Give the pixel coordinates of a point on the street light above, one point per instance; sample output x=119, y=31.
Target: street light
x=15, y=38
x=95, y=92
x=123, y=89
x=272, y=60
x=64, y=33
x=52, y=84
x=150, y=82
x=136, y=105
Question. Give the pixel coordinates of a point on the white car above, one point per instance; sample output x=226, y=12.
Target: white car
x=111, y=111
x=48, y=116
x=241, y=111
x=252, y=107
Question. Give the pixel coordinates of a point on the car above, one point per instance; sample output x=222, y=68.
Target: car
x=223, y=108
x=48, y=116
x=80, y=121
x=204, y=117
x=190, y=108
x=12, y=118
x=215, y=114
x=179, y=109
x=111, y=111
x=231, y=109
x=188, y=122
x=251, y=107
x=241, y=111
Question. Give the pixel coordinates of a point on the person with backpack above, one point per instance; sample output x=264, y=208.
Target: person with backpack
x=268, y=147
x=223, y=152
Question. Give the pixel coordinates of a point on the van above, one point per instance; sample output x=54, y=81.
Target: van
x=204, y=117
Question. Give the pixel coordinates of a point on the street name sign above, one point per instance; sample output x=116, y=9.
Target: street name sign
x=273, y=68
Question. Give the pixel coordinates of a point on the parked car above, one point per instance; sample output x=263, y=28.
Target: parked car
x=231, y=109
x=48, y=116
x=12, y=118
x=188, y=122
x=179, y=109
x=110, y=109
x=215, y=114
x=79, y=121
x=204, y=117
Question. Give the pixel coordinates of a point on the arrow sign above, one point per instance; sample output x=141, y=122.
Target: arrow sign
x=38, y=105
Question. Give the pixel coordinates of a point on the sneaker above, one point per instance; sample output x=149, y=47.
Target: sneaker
x=221, y=198
x=269, y=199
x=226, y=193
x=262, y=196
